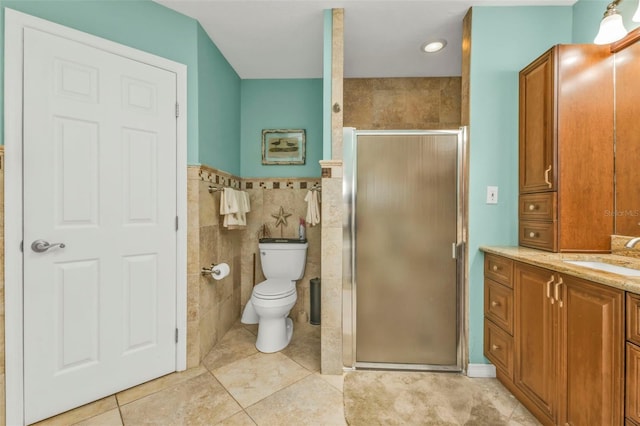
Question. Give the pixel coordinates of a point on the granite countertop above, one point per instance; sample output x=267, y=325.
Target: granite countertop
x=555, y=261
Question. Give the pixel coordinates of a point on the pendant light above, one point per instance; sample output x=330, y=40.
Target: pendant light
x=636, y=16
x=611, y=27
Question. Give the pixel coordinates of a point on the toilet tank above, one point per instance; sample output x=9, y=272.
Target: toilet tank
x=283, y=257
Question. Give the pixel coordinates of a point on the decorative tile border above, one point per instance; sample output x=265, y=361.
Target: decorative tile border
x=209, y=174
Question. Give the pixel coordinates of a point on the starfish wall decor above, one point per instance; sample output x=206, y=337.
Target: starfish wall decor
x=281, y=219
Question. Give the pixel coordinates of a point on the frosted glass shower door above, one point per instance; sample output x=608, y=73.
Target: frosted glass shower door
x=405, y=226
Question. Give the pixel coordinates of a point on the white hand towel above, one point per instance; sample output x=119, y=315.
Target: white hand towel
x=313, y=209
x=234, y=206
x=229, y=207
x=228, y=201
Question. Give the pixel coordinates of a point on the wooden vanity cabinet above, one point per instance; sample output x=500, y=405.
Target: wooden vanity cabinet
x=566, y=150
x=498, y=311
x=568, y=347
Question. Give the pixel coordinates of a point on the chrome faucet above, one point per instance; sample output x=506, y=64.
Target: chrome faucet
x=632, y=242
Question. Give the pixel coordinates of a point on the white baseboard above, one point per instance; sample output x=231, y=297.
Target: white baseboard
x=481, y=370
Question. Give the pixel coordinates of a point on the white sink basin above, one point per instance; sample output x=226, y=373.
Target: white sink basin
x=607, y=267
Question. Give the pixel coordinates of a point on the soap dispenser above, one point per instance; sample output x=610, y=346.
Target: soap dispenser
x=302, y=230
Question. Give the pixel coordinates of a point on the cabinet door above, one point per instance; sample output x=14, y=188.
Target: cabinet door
x=592, y=353
x=632, y=381
x=537, y=125
x=535, y=337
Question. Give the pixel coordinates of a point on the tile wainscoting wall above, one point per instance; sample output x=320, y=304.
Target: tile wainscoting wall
x=213, y=306
x=331, y=262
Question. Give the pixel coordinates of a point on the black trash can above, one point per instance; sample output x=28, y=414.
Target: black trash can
x=314, y=316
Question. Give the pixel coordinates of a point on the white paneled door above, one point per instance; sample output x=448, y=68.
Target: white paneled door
x=99, y=223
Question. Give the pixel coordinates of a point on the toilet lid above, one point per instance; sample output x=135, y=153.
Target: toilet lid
x=274, y=289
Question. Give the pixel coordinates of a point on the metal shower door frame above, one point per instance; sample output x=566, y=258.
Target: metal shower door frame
x=349, y=279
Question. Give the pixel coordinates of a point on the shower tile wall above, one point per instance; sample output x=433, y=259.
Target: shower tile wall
x=402, y=103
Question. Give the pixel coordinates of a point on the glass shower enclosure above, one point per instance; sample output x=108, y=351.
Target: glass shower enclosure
x=403, y=238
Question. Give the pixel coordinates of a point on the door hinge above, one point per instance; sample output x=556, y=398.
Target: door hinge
x=454, y=251
x=176, y=335
x=176, y=223
x=22, y=246
x=177, y=110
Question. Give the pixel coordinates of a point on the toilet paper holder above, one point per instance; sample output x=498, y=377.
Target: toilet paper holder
x=210, y=270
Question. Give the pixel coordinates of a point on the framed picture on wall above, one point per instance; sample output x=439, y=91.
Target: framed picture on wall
x=280, y=146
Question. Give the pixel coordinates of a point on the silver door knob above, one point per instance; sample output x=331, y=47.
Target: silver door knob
x=40, y=246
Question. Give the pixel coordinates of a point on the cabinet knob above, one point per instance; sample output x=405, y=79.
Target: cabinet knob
x=532, y=234
x=494, y=303
x=532, y=207
x=494, y=268
x=495, y=347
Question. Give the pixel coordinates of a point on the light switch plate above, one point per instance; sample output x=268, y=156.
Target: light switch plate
x=492, y=195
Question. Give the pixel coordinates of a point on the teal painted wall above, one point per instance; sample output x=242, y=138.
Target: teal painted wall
x=218, y=108
x=213, y=87
x=280, y=104
x=141, y=24
x=496, y=60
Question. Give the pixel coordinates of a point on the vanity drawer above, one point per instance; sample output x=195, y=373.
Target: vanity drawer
x=540, y=235
x=633, y=318
x=498, y=347
x=498, y=269
x=498, y=304
x=538, y=206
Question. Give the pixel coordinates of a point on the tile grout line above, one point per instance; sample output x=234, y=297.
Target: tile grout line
x=119, y=409
x=242, y=409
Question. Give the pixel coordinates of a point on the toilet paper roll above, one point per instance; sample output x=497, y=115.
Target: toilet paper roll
x=220, y=271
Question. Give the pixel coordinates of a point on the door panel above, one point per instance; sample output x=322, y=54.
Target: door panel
x=406, y=223
x=76, y=324
x=99, y=177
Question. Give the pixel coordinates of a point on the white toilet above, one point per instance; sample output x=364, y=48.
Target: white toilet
x=283, y=261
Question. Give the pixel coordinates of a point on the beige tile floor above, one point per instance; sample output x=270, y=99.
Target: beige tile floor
x=234, y=385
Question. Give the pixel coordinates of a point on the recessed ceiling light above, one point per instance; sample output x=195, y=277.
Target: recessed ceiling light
x=433, y=46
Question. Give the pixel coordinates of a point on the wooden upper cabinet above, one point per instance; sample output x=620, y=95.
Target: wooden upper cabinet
x=537, y=109
x=566, y=146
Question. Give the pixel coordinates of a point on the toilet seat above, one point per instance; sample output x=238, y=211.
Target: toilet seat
x=274, y=289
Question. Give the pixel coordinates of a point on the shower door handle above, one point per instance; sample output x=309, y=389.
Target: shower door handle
x=40, y=246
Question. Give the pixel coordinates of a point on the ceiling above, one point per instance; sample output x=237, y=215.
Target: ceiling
x=284, y=38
